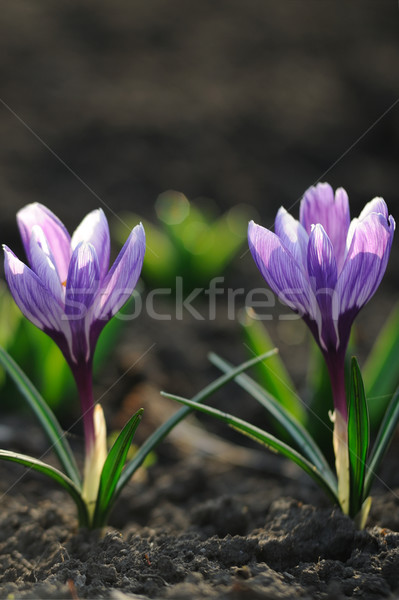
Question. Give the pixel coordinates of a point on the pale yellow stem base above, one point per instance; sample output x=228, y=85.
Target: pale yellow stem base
x=340, y=443
x=94, y=461
x=362, y=515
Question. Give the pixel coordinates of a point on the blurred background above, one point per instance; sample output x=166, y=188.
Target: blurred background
x=235, y=101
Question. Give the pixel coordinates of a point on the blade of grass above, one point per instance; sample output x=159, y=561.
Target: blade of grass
x=45, y=416
x=56, y=475
x=272, y=375
x=264, y=438
x=358, y=438
x=112, y=469
x=296, y=431
x=162, y=431
x=380, y=373
x=382, y=442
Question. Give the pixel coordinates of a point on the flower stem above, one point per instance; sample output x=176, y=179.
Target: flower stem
x=336, y=369
x=95, y=436
x=84, y=383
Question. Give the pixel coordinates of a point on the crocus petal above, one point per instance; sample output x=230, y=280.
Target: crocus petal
x=322, y=266
x=366, y=261
x=322, y=269
x=292, y=234
x=43, y=263
x=121, y=280
x=81, y=287
x=280, y=270
x=33, y=297
x=57, y=236
x=320, y=206
x=82, y=281
x=376, y=205
x=94, y=229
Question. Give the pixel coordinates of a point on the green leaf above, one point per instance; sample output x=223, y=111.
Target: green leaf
x=382, y=442
x=358, y=439
x=380, y=372
x=272, y=375
x=162, y=431
x=56, y=475
x=264, y=438
x=52, y=428
x=112, y=469
x=295, y=430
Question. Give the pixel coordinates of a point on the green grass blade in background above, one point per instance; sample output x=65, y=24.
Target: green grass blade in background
x=190, y=242
x=56, y=475
x=383, y=440
x=112, y=469
x=297, y=433
x=52, y=428
x=159, y=434
x=220, y=242
x=10, y=319
x=43, y=362
x=272, y=375
x=380, y=372
x=181, y=219
x=161, y=258
x=358, y=438
x=264, y=438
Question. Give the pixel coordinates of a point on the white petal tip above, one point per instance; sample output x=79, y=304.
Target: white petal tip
x=139, y=231
x=251, y=226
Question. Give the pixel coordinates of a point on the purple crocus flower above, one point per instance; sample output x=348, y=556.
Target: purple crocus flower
x=326, y=267
x=69, y=292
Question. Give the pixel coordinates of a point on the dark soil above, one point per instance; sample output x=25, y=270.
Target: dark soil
x=110, y=104
x=210, y=519
x=200, y=530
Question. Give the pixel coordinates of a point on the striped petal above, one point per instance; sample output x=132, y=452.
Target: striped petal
x=33, y=297
x=57, y=236
x=320, y=206
x=293, y=235
x=366, y=260
x=82, y=285
x=43, y=263
x=280, y=270
x=322, y=266
x=121, y=280
x=94, y=230
x=377, y=205
x=322, y=269
x=83, y=280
